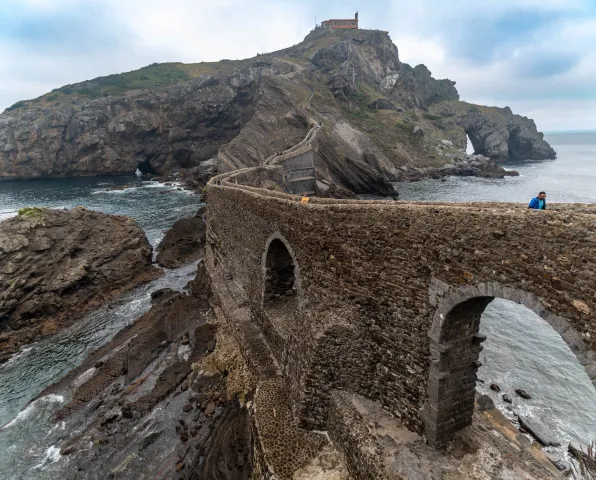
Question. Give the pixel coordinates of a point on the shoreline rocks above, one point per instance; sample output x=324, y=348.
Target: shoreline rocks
x=58, y=265
x=539, y=431
x=183, y=243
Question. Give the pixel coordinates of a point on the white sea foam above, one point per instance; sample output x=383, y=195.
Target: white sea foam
x=52, y=456
x=17, y=355
x=32, y=408
x=6, y=214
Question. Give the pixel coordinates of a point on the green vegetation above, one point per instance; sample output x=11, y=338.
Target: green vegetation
x=430, y=116
x=19, y=104
x=32, y=212
x=152, y=76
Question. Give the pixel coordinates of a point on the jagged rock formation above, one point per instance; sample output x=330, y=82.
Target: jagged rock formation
x=56, y=265
x=183, y=243
x=496, y=132
x=381, y=118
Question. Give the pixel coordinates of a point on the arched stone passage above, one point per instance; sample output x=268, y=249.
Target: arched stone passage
x=281, y=294
x=280, y=274
x=455, y=346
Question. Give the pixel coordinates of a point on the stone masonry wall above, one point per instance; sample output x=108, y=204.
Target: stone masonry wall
x=379, y=279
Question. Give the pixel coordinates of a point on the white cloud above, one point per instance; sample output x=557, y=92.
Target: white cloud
x=556, y=99
x=432, y=32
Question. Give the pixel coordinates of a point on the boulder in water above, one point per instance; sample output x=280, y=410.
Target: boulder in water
x=495, y=387
x=507, y=398
x=485, y=403
x=183, y=243
x=523, y=394
x=539, y=431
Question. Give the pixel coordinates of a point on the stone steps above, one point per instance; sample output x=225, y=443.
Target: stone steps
x=255, y=349
x=285, y=446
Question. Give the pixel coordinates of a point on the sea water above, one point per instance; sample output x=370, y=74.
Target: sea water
x=25, y=447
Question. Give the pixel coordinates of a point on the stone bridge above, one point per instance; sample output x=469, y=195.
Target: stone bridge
x=384, y=298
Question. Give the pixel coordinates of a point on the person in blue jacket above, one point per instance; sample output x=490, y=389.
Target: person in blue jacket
x=539, y=202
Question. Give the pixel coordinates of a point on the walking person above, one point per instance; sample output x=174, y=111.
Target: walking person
x=539, y=202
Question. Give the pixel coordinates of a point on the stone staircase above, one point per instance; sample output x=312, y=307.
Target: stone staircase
x=283, y=446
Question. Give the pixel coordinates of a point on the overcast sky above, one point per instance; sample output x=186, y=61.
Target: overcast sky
x=537, y=56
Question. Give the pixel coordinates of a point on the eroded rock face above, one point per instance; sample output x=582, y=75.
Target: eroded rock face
x=497, y=133
x=183, y=243
x=380, y=115
x=56, y=265
x=157, y=131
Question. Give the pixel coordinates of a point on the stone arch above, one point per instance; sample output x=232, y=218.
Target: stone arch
x=281, y=274
x=281, y=294
x=455, y=346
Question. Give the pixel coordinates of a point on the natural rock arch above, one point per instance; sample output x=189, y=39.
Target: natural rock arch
x=455, y=346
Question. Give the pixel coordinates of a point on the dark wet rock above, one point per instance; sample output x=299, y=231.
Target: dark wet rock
x=126, y=411
x=507, y=398
x=495, y=387
x=57, y=265
x=183, y=243
x=539, y=431
x=67, y=450
x=485, y=403
x=523, y=394
x=98, y=364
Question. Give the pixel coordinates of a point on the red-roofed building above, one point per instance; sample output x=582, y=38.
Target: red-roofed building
x=341, y=23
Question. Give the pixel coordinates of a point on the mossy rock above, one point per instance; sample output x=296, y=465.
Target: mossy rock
x=30, y=212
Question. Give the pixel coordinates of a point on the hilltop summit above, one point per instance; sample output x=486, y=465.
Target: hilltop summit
x=383, y=120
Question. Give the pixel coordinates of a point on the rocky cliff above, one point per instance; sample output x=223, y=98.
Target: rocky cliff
x=383, y=118
x=57, y=265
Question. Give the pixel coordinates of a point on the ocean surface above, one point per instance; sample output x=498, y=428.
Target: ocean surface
x=569, y=178
x=522, y=351
x=25, y=451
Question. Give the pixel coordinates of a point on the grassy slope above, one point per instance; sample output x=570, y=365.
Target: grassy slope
x=150, y=77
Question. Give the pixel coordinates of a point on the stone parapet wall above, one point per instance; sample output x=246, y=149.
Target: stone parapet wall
x=378, y=277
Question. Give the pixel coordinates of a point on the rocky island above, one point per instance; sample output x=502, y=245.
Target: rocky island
x=382, y=120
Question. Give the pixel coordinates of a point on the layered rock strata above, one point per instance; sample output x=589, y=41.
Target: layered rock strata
x=57, y=265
